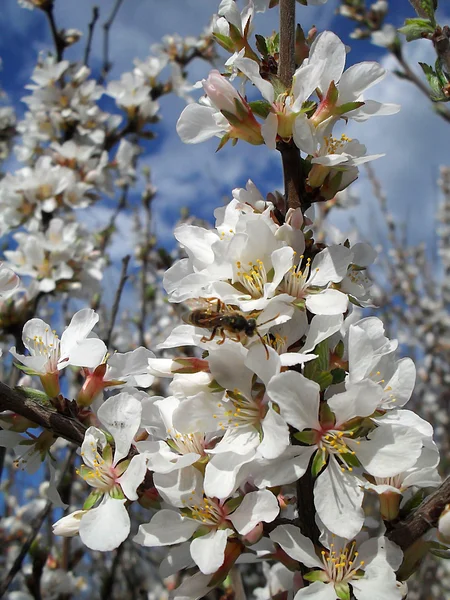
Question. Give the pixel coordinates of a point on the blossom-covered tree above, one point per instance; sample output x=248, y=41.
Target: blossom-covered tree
x=267, y=435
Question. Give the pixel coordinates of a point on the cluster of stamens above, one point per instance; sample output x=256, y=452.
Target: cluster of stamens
x=99, y=474
x=334, y=145
x=243, y=412
x=207, y=511
x=334, y=442
x=47, y=346
x=189, y=442
x=253, y=277
x=296, y=278
x=341, y=565
x=392, y=399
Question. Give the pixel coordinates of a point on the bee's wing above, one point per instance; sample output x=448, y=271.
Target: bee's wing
x=196, y=303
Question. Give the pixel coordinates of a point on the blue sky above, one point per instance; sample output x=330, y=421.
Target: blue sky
x=194, y=176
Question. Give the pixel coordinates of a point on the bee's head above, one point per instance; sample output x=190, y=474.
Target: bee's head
x=250, y=327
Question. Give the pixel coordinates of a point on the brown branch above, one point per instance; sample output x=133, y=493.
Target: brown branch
x=115, y=308
x=91, y=27
x=286, y=64
x=290, y=154
x=60, y=425
x=423, y=519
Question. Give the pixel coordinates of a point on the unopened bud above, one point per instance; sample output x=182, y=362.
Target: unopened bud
x=221, y=92
x=93, y=385
x=71, y=36
x=69, y=525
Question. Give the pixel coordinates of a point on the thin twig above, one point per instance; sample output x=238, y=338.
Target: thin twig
x=57, y=39
x=146, y=202
x=87, y=50
x=106, y=28
x=36, y=526
x=115, y=308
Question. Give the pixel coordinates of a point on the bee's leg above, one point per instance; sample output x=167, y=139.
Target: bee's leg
x=211, y=337
x=264, y=344
x=222, y=331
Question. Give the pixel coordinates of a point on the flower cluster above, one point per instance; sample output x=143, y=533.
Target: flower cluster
x=322, y=95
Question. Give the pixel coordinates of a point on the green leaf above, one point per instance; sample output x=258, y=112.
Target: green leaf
x=326, y=415
x=338, y=376
x=36, y=395
x=306, y=437
x=273, y=44
x=107, y=454
x=26, y=370
x=342, y=591
x=319, y=461
x=323, y=355
x=260, y=108
x=444, y=80
x=317, y=575
x=434, y=81
x=349, y=106
x=92, y=499
x=415, y=29
x=224, y=41
x=427, y=7
x=235, y=34
x=233, y=503
x=413, y=503
x=324, y=379
x=350, y=459
x=241, y=110
x=222, y=142
x=117, y=493
x=231, y=118
x=309, y=107
x=261, y=45
x=339, y=350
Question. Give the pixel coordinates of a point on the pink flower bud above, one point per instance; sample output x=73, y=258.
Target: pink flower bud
x=221, y=93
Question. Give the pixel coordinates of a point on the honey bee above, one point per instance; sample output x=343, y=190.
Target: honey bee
x=225, y=322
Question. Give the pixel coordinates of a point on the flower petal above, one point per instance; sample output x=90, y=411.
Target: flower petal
x=338, y=498
x=166, y=528
x=105, y=527
x=208, y=551
x=256, y=507
x=296, y=545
